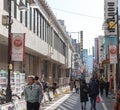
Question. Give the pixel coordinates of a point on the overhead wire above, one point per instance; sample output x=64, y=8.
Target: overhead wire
x=75, y=13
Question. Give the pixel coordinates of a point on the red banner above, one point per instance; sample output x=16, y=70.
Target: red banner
x=17, y=46
x=113, y=54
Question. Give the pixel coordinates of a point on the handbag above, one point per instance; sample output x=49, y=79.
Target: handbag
x=98, y=99
x=85, y=90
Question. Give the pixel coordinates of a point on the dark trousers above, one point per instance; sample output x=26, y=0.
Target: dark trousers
x=106, y=92
x=93, y=102
x=101, y=91
x=77, y=90
x=33, y=106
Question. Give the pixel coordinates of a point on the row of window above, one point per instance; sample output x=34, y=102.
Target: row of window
x=36, y=22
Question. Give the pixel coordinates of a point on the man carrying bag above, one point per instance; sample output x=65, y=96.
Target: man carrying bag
x=93, y=92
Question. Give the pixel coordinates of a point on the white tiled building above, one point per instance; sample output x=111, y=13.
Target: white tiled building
x=48, y=47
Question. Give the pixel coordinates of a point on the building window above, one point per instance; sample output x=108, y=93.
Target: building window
x=5, y=5
x=44, y=69
x=28, y=23
x=35, y=21
x=21, y=17
x=26, y=17
x=30, y=17
x=46, y=28
x=29, y=64
x=15, y=10
x=22, y=14
x=53, y=70
x=59, y=71
x=42, y=27
x=59, y=45
x=48, y=33
x=40, y=24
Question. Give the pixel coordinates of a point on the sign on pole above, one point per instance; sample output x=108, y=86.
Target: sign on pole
x=113, y=54
x=17, y=46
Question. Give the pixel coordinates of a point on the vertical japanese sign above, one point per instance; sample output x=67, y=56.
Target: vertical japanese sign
x=113, y=54
x=17, y=46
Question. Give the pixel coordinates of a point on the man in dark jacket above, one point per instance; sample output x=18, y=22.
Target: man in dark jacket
x=83, y=94
x=93, y=92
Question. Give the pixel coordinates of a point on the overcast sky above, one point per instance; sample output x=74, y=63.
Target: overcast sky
x=86, y=15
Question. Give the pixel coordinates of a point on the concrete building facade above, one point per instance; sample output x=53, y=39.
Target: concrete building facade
x=48, y=48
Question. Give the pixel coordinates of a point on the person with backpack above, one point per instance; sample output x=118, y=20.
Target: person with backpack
x=93, y=92
x=83, y=94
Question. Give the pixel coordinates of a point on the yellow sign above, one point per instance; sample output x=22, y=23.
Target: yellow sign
x=112, y=24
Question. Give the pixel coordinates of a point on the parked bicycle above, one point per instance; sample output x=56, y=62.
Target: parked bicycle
x=3, y=97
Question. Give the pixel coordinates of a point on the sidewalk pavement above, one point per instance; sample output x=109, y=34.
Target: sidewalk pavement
x=106, y=102
x=55, y=101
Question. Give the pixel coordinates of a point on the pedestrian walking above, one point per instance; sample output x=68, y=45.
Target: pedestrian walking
x=101, y=86
x=106, y=87
x=93, y=92
x=71, y=85
x=83, y=94
x=77, y=86
x=37, y=81
x=33, y=94
x=54, y=87
x=45, y=85
x=111, y=83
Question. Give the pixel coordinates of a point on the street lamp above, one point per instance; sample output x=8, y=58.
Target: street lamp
x=117, y=72
x=8, y=90
x=21, y=7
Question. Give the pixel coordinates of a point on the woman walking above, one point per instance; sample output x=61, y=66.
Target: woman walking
x=83, y=94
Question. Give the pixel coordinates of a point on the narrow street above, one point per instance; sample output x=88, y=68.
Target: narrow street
x=72, y=102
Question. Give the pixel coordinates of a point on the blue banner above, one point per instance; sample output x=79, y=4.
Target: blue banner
x=110, y=41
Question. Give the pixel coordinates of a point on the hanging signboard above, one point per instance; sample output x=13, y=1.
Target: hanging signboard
x=113, y=54
x=17, y=46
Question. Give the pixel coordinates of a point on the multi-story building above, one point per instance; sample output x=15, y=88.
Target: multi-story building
x=48, y=47
x=85, y=55
x=96, y=52
x=89, y=63
x=111, y=8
